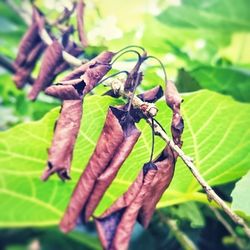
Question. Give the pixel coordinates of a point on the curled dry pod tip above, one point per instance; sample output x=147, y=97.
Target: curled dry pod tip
x=116, y=224
x=51, y=59
x=29, y=51
x=83, y=79
x=66, y=131
x=114, y=145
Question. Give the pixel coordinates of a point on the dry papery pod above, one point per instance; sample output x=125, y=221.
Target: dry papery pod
x=29, y=51
x=115, y=143
x=106, y=178
x=51, y=59
x=73, y=98
x=80, y=23
x=23, y=72
x=66, y=131
x=70, y=47
x=166, y=160
x=83, y=79
x=115, y=225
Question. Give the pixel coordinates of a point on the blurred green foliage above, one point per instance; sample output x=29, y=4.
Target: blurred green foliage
x=204, y=44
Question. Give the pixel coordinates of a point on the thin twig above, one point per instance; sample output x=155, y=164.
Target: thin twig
x=229, y=228
x=185, y=242
x=189, y=163
x=137, y=102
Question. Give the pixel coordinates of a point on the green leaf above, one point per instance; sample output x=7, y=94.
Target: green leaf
x=190, y=211
x=216, y=136
x=226, y=80
x=217, y=15
x=240, y=195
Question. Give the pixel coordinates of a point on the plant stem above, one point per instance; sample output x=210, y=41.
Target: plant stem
x=185, y=242
x=229, y=228
x=189, y=163
x=187, y=160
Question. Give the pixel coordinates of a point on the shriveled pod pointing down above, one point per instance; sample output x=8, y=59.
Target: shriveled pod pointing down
x=115, y=225
x=67, y=127
x=51, y=59
x=29, y=51
x=167, y=159
x=72, y=93
x=23, y=72
x=118, y=137
x=130, y=137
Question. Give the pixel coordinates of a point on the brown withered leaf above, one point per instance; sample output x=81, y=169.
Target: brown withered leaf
x=23, y=72
x=28, y=42
x=165, y=162
x=130, y=137
x=65, y=134
x=68, y=90
x=174, y=100
x=51, y=59
x=103, y=58
x=116, y=224
x=29, y=51
x=82, y=79
x=80, y=23
x=115, y=143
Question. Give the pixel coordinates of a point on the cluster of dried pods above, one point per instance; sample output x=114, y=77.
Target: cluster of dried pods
x=116, y=142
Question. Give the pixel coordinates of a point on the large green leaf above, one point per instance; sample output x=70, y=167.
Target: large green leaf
x=240, y=195
x=215, y=15
x=226, y=80
x=202, y=28
x=216, y=135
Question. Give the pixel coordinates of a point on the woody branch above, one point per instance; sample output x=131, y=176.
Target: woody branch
x=137, y=102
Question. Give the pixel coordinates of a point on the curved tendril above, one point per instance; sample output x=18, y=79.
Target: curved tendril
x=115, y=74
x=123, y=53
x=162, y=66
x=153, y=140
x=131, y=46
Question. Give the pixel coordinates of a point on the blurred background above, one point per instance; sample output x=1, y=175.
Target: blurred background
x=203, y=45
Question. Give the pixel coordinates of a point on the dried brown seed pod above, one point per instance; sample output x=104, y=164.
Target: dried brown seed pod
x=66, y=131
x=103, y=58
x=29, y=51
x=23, y=72
x=130, y=137
x=151, y=95
x=80, y=23
x=51, y=59
x=83, y=79
x=166, y=160
x=117, y=134
x=72, y=49
x=116, y=224
x=174, y=100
